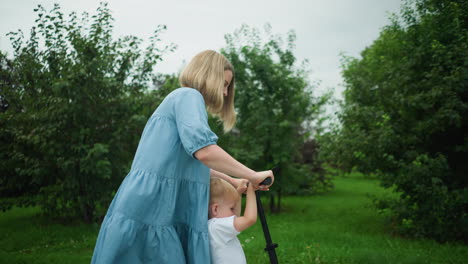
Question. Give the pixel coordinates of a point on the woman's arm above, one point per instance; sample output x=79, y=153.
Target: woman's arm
x=217, y=174
x=239, y=184
x=219, y=160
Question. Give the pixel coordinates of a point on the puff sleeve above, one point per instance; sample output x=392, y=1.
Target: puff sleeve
x=192, y=121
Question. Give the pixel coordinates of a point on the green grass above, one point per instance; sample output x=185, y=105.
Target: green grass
x=337, y=227
x=342, y=227
x=27, y=237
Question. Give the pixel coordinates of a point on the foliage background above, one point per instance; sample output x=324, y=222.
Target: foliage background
x=404, y=118
x=73, y=103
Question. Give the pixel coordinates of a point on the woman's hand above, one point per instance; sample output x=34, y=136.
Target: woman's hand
x=259, y=177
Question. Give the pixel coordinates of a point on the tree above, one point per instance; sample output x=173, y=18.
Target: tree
x=76, y=107
x=405, y=117
x=275, y=105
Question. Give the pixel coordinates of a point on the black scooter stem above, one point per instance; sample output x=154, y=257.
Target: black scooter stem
x=270, y=246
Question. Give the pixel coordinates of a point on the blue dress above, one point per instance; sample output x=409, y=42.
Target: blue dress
x=160, y=212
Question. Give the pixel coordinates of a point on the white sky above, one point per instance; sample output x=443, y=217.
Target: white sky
x=324, y=28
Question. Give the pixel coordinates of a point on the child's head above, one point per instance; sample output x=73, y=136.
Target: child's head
x=210, y=73
x=223, y=198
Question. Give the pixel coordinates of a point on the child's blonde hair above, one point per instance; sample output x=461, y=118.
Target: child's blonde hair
x=205, y=72
x=221, y=189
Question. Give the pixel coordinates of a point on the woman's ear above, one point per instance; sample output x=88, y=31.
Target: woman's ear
x=213, y=210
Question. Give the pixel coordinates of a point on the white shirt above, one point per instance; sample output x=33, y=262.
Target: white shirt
x=225, y=247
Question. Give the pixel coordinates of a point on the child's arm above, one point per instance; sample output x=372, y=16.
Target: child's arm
x=250, y=214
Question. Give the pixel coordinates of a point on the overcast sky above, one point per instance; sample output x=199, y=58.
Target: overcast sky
x=324, y=28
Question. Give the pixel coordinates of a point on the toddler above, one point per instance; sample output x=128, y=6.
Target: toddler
x=225, y=222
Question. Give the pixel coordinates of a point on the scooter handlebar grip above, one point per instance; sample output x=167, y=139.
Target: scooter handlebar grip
x=267, y=181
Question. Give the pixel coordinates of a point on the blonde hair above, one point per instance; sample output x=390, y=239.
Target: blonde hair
x=205, y=72
x=220, y=190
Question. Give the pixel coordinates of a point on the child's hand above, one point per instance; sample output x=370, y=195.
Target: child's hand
x=240, y=185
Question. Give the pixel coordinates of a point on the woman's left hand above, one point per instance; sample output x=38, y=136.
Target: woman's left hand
x=240, y=185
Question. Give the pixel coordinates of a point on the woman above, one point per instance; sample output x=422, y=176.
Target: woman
x=159, y=214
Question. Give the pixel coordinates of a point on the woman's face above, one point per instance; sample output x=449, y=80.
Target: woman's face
x=227, y=81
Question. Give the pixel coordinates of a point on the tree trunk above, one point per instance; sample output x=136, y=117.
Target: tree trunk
x=278, y=207
x=88, y=213
x=272, y=203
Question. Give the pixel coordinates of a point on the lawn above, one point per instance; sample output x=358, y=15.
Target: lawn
x=337, y=227
x=342, y=227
